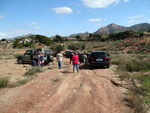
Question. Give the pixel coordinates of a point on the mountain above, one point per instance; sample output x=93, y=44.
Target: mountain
x=114, y=28
x=80, y=34
x=18, y=37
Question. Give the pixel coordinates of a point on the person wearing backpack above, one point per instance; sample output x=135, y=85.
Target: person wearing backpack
x=40, y=59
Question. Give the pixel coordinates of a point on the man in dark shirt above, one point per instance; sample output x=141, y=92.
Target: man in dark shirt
x=71, y=55
x=32, y=59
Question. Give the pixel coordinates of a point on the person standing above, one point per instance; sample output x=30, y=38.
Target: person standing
x=71, y=55
x=40, y=59
x=32, y=59
x=59, y=59
x=75, y=59
x=85, y=58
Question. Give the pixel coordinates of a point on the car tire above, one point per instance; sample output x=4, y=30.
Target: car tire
x=20, y=61
x=107, y=66
x=90, y=67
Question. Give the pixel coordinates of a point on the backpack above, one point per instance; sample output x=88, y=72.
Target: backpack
x=41, y=58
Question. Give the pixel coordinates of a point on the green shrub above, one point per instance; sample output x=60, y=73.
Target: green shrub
x=134, y=65
x=115, y=61
x=131, y=51
x=18, y=83
x=76, y=46
x=33, y=71
x=145, y=87
x=95, y=46
x=4, y=82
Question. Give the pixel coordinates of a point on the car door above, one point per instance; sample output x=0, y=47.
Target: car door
x=27, y=56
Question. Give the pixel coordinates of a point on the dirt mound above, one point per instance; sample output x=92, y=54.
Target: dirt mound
x=135, y=44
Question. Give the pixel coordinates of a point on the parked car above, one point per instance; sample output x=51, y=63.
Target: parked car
x=67, y=53
x=26, y=57
x=81, y=57
x=99, y=58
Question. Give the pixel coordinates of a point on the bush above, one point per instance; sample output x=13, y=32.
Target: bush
x=95, y=46
x=76, y=46
x=131, y=51
x=18, y=83
x=33, y=71
x=134, y=65
x=3, y=82
x=58, y=48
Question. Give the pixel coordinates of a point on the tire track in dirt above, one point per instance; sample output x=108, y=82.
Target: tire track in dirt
x=61, y=91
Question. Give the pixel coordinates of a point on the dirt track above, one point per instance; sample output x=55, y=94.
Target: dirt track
x=61, y=91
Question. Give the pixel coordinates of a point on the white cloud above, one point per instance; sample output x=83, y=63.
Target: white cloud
x=1, y=16
x=64, y=10
x=78, y=12
x=99, y=3
x=99, y=24
x=148, y=19
x=126, y=0
x=33, y=23
x=135, y=17
x=3, y=35
x=37, y=27
x=94, y=20
x=133, y=21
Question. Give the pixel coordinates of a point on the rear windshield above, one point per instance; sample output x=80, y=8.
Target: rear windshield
x=98, y=54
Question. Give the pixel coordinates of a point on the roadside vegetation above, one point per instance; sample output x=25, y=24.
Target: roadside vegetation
x=4, y=82
x=27, y=77
x=32, y=71
x=135, y=70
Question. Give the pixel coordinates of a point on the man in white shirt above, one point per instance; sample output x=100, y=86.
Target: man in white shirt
x=59, y=59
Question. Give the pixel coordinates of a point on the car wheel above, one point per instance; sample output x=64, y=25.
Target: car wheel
x=90, y=67
x=20, y=61
x=107, y=66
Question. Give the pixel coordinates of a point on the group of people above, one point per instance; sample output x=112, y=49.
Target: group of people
x=40, y=59
x=74, y=58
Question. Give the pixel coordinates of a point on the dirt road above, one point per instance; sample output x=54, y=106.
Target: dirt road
x=61, y=91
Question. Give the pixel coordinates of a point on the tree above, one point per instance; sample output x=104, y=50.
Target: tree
x=3, y=39
x=76, y=46
x=121, y=35
x=58, y=39
x=58, y=48
x=16, y=43
x=43, y=39
x=79, y=38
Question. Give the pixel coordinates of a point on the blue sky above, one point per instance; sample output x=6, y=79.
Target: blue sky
x=66, y=17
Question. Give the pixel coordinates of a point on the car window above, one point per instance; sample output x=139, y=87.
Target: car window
x=98, y=54
x=39, y=50
x=28, y=52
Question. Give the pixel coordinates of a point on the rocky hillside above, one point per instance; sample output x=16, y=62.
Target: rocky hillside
x=114, y=28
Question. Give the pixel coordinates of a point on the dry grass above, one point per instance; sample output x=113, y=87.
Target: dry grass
x=4, y=82
x=129, y=69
